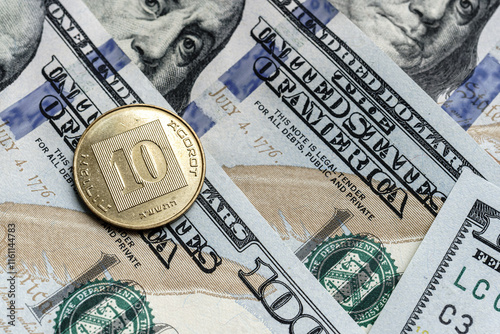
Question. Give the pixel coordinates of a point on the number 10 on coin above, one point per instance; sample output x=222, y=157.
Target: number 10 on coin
x=139, y=166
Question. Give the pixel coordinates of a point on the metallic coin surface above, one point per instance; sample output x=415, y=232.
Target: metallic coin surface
x=139, y=166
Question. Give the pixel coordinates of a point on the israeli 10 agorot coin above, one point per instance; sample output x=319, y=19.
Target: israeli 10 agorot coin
x=139, y=166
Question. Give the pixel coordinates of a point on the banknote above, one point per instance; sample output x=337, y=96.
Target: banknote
x=184, y=45
x=341, y=152
x=437, y=43
x=181, y=46
x=452, y=284
x=218, y=269
x=474, y=105
x=173, y=42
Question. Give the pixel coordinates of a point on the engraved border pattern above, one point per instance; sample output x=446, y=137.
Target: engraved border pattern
x=466, y=228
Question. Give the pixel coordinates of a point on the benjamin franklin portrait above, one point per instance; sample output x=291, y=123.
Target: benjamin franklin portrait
x=21, y=26
x=171, y=41
x=433, y=41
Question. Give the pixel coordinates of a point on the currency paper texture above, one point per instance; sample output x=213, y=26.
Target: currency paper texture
x=346, y=157
x=218, y=269
x=183, y=45
x=437, y=43
x=452, y=284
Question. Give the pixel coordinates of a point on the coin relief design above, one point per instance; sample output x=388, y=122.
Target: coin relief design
x=139, y=166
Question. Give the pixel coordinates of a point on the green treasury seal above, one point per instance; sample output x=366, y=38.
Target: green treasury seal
x=358, y=272
x=105, y=307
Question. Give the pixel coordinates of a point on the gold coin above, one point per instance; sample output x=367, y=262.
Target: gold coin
x=139, y=166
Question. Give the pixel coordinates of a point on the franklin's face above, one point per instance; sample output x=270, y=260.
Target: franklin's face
x=21, y=25
x=168, y=39
x=418, y=34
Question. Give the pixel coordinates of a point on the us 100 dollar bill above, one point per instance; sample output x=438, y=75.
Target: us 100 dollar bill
x=436, y=43
x=65, y=271
x=452, y=283
x=338, y=149
x=219, y=268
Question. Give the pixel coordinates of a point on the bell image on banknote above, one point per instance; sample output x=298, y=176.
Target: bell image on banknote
x=322, y=195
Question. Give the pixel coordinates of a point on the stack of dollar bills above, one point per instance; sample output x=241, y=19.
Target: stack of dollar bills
x=352, y=153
